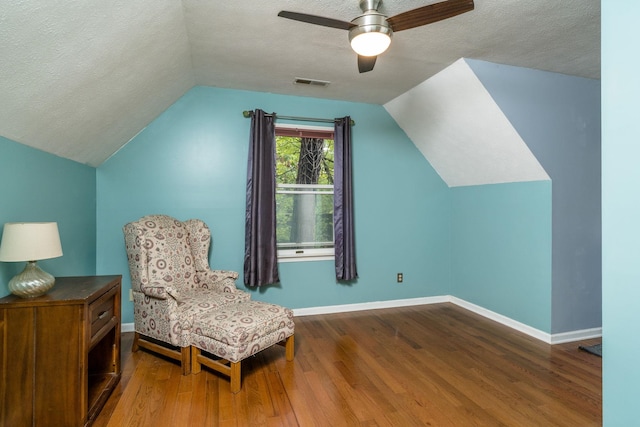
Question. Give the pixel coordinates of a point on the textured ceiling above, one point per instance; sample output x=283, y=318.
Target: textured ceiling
x=80, y=78
x=486, y=150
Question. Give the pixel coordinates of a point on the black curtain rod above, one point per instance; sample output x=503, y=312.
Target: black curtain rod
x=248, y=114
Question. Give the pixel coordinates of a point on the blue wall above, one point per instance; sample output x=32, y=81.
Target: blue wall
x=36, y=186
x=620, y=212
x=191, y=162
x=501, y=239
x=558, y=117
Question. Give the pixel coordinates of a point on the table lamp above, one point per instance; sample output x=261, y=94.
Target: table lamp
x=30, y=241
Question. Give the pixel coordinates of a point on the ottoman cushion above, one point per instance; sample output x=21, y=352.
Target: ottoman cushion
x=236, y=331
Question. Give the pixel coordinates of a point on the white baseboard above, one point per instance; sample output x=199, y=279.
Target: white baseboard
x=507, y=321
x=583, y=334
x=345, y=308
x=560, y=338
x=504, y=320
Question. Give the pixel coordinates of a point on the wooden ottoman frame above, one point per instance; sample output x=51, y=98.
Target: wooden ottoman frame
x=231, y=369
x=234, y=332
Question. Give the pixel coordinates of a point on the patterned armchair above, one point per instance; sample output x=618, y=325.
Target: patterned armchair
x=172, y=282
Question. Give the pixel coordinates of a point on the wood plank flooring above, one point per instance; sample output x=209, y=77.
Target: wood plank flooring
x=431, y=365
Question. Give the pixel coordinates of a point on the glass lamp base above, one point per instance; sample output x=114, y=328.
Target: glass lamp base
x=32, y=282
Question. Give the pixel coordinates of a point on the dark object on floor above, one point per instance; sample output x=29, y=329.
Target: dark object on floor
x=593, y=349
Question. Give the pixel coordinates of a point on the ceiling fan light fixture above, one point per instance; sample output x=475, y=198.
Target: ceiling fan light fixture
x=370, y=33
x=371, y=36
x=370, y=43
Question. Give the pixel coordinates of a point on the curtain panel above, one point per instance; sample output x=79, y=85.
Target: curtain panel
x=260, y=253
x=343, y=224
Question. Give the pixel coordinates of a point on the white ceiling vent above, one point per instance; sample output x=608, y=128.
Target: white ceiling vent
x=311, y=82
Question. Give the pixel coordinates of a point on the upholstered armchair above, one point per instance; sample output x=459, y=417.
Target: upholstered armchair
x=172, y=282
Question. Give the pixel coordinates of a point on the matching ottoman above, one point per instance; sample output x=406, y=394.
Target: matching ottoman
x=236, y=331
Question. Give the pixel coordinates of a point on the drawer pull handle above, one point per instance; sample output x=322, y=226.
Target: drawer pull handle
x=101, y=315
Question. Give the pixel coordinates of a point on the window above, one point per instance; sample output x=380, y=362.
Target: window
x=304, y=192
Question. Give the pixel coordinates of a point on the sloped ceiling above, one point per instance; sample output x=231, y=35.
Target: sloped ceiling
x=458, y=127
x=80, y=78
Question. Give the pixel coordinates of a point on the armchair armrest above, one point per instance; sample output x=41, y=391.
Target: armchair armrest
x=224, y=273
x=220, y=280
x=157, y=290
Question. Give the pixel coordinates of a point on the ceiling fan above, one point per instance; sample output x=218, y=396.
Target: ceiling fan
x=370, y=33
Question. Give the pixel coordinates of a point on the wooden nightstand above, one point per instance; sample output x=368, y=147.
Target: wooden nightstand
x=60, y=352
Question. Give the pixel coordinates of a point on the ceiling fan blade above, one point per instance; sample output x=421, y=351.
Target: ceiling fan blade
x=317, y=20
x=366, y=63
x=429, y=14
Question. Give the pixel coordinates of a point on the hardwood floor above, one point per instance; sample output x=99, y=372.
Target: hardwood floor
x=431, y=365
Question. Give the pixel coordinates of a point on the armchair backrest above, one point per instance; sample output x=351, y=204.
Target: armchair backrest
x=164, y=251
x=199, y=240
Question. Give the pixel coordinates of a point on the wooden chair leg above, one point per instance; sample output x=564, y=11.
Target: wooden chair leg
x=196, y=366
x=135, y=347
x=289, y=348
x=183, y=355
x=185, y=360
x=236, y=377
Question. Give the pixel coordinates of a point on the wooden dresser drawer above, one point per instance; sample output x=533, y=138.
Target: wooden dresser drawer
x=43, y=384
x=101, y=312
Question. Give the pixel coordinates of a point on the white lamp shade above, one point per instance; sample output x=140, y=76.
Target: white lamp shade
x=30, y=241
x=370, y=43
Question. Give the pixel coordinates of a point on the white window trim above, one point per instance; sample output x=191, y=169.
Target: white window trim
x=304, y=127
x=295, y=255
x=303, y=255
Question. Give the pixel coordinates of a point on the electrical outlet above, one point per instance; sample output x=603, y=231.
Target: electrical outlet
x=400, y=277
x=130, y=294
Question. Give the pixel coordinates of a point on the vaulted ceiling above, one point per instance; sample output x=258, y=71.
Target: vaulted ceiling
x=79, y=79
x=487, y=149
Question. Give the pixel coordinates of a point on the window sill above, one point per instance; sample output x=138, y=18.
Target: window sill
x=303, y=258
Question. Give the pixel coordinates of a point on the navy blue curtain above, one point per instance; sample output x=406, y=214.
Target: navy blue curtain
x=260, y=252
x=345, y=249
